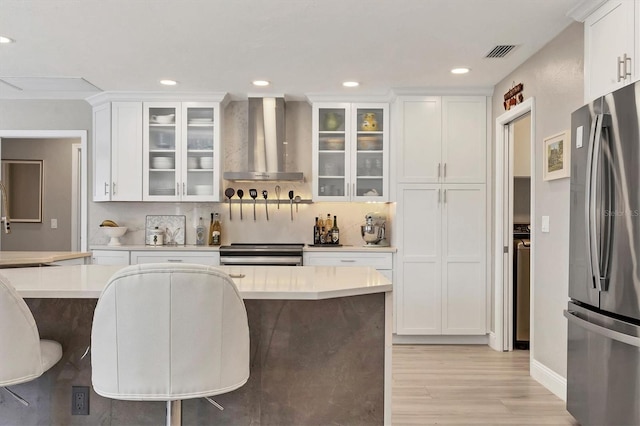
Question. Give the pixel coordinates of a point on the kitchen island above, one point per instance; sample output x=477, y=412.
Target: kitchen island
x=320, y=348
x=11, y=259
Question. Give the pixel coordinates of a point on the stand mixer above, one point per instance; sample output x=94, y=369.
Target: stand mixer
x=373, y=231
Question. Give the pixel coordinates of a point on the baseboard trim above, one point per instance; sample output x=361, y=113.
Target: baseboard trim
x=440, y=340
x=549, y=379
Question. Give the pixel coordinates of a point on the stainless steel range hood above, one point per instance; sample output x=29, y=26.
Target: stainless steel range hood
x=267, y=145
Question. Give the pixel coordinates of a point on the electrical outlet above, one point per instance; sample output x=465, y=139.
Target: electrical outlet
x=80, y=400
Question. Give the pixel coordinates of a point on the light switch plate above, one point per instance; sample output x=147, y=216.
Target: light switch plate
x=54, y=223
x=544, y=227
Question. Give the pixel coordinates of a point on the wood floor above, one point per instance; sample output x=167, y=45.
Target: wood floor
x=469, y=385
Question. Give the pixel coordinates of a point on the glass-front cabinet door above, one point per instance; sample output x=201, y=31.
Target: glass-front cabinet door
x=370, y=153
x=200, y=160
x=161, y=157
x=331, y=159
x=181, y=152
x=350, y=160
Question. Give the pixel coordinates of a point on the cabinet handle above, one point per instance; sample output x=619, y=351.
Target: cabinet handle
x=444, y=174
x=354, y=189
x=438, y=195
x=347, y=260
x=114, y=188
x=622, y=66
x=184, y=189
x=445, y=196
x=438, y=170
x=106, y=188
x=348, y=190
x=174, y=260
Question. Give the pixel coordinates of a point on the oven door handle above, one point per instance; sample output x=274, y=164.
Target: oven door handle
x=261, y=260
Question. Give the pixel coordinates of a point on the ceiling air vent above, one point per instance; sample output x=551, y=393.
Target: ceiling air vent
x=500, y=51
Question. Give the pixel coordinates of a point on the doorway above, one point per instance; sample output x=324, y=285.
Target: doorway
x=71, y=210
x=515, y=204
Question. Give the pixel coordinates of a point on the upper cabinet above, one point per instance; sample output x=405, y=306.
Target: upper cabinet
x=181, y=145
x=610, y=47
x=117, y=152
x=145, y=150
x=442, y=139
x=350, y=152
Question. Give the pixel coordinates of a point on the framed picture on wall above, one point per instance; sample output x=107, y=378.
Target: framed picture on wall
x=22, y=180
x=557, y=156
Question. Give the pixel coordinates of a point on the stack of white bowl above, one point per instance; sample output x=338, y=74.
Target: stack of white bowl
x=206, y=162
x=160, y=162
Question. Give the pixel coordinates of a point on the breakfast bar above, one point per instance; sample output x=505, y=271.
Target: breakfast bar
x=320, y=348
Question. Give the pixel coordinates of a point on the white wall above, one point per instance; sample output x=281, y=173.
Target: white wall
x=554, y=77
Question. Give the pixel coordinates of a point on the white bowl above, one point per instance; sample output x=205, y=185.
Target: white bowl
x=162, y=162
x=163, y=119
x=114, y=232
x=206, y=162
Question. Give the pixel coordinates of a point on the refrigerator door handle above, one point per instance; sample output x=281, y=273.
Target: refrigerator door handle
x=603, y=331
x=590, y=206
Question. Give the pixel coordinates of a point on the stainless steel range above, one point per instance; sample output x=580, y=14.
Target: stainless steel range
x=262, y=254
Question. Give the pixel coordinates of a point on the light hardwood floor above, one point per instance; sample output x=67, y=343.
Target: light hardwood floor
x=469, y=385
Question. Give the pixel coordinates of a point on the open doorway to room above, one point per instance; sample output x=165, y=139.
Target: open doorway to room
x=63, y=221
x=514, y=243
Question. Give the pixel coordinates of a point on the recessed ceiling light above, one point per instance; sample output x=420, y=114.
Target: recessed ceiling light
x=460, y=70
x=261, y=83
x=351, y=84
x=5, y=40
x=168, y=82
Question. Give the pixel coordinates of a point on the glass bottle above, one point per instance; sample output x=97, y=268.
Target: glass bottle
x=328, y=224
x=201, y=232
x=210, y=234
x=216, y=231
x=335, y=232
x=316, y=233
x=321, y=228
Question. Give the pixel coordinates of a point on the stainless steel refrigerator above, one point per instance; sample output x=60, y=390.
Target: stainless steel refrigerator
x=603, y=366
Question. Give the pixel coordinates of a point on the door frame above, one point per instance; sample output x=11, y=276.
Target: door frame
x=64, y=134
x=503, y=304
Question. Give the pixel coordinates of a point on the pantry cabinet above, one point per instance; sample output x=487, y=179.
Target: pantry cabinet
x=181, y=151
x=350, y=152
x=117, y=151
x=441, y=285
x=611, y=47
x=442, y=139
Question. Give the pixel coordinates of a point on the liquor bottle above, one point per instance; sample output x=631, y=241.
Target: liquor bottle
x=210, y=235
x=327, y=229
x=335, y=232
x=201, y=232
x=216, y=232
x=316, y=233
x=321, y=228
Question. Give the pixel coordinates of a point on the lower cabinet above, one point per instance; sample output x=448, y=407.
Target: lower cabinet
x=211, y=258
x=110, y=257
x=383, y=262
x=441, y=286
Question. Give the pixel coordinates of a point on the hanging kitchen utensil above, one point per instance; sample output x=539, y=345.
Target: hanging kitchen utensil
x=229, y=192
x=278, y=195
x=240, y=195
x=291, y=203
x=297, y=200
x=265, y=194
x=254, y=194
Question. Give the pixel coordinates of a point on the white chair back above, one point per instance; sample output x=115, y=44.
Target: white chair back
x=20, y=356
x=168, y=332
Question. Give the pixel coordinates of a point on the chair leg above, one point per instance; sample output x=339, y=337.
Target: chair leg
x=174, y=413
x=218, y=406
x=17, y=397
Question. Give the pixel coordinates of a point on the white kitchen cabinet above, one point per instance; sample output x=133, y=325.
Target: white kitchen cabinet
x=441, y=285
x=442, y=139
x=211, y=258
x=611, y=47
x=350, y=152
x=181, y=160
x=110, y=257
x=117, y=151
x=381, y=261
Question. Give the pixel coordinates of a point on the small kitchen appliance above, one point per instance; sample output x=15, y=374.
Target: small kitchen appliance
x=374, y=230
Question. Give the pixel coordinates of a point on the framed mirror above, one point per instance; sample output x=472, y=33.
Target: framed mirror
x=23, y=181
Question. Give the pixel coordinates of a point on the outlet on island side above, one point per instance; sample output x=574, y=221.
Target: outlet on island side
x=80, y=400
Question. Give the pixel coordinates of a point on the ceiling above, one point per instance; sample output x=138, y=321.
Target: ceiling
x=303, y=47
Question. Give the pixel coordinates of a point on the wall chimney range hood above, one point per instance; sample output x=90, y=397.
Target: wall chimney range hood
x=267, y=145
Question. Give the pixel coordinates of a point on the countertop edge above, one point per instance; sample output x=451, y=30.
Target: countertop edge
x=17, y=258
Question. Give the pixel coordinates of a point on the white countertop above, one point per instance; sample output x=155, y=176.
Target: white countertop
x=259, y=282
x=15, y=258
x=328, y=248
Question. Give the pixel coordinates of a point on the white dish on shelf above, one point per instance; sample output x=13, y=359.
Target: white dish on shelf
x=206, y=162
x=163, y=119
x=192, y=163
x=162, y=162
x=200, y=121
